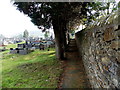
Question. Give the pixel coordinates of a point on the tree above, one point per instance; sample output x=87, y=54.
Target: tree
x=97, y=9
x=25, y=34
x=46, y=35
x=46, y=14
x=2, y=36
x=60, y=16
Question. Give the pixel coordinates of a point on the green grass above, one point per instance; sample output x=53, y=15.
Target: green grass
x=38, y=69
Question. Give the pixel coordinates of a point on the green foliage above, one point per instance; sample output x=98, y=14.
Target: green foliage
x=46, y=35
x=72, y=14
x=38, y=69
x=43, y=14
x=25, y=34
x=97, y=9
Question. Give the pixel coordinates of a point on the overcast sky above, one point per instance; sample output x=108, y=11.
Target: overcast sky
x=12, y=21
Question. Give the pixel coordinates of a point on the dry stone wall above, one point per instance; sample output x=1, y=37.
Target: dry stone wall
x=99, y=48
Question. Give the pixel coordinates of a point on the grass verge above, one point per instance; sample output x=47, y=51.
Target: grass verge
x=38, y=69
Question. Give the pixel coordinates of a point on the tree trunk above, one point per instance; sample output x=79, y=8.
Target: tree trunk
x=68, y=37
x=64, y=39
x=64, y=43
x=59, y=41
x=59, y=26
x=63, y=33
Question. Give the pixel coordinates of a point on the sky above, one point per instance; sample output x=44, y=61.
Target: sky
x=12, y=21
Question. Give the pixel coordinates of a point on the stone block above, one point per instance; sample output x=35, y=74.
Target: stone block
x=21, y=45
x=100, y=52
x=105, y=68
x=109, y=34
x=91, y=59
x=100, y=66
x=89, y=34
x=23, y=52
x=29, y=45
x=36, y=46
x=105, y=60
x=115, y=81
x=118, y=56
x=13, y=51
x=42, y=47
x=118, y=32
x=112, y=69
x=111, y=52
x=115, y=27
x=115, y=44
x=33, y=48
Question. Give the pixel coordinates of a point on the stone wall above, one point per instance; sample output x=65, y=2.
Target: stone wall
x=99, y=48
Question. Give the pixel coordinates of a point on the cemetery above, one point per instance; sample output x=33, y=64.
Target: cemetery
x=30, y=46
x=6, y=41
x=26, y=74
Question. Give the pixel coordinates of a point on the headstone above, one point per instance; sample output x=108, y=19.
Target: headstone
x=41, y=47
x=36, y=46
x=29, y=45
x=17, y=49
x=23, y=52
x=21, y=45
x=26, y=42
x=13, y=51
x=33, y=48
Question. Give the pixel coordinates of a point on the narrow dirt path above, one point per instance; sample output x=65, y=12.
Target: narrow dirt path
x=74, y=74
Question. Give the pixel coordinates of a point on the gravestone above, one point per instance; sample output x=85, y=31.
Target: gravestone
x=23, y=52
x=21, y=45
x=13, y=51
x=41, y=47
x=36, y=46
x=17, y=49
x=32, y=49
x=29, y=46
